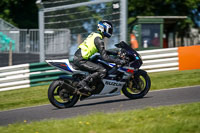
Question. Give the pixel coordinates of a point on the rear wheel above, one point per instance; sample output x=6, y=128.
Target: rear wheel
x=137, y=86
x=60, y=97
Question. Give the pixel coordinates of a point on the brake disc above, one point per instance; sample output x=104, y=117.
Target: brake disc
x=137, y=86
x=140, y=85
x=63, y=95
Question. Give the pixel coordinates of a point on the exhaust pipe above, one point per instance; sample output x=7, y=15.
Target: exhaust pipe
x=69, y=88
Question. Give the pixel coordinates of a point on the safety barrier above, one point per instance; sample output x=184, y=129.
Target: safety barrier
x=27, y=75
x=160, y=60
x=35, y=74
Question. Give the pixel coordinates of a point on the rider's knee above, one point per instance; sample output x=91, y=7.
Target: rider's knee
x=103, y=72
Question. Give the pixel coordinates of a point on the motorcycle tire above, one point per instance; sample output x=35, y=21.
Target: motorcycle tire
x=52, y=96
x=146, y=89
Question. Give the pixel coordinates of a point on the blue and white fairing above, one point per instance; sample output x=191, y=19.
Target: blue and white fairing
x=65, y=66
x=121, y=69
x=134, y=58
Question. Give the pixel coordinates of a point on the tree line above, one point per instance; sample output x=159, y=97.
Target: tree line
x=24, y=13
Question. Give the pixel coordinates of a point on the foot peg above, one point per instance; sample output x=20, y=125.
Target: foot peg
x=83, y=93
x=83, y=85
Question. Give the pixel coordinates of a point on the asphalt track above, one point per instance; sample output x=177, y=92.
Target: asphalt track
x=108, y=104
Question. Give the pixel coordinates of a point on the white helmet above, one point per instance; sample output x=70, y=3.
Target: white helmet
x=106, y=28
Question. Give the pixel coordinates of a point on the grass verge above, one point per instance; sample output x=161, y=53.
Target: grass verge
x=174, y=79
x=38, y=95
x=167, y=119
x=23, y=97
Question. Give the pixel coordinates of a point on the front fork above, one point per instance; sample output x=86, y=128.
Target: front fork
x=134, y=81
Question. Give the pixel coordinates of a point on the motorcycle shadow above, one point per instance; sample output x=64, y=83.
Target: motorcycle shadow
x=108, y=102
x=105, y=102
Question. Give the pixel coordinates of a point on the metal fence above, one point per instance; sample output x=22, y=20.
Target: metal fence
x=27, y=41
x=81, y=18
x=23, y=46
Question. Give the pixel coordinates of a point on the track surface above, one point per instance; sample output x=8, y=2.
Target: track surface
x=109, y=104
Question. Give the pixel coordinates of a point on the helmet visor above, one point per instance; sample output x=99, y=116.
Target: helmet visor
x=110, y=31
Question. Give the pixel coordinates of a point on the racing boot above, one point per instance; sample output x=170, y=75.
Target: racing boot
x=83, y=85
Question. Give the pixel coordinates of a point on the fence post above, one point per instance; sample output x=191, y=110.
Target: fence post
x=27, y=47
x=123, y=20
x=41, y=34
x=10, y=54
x=41, y=29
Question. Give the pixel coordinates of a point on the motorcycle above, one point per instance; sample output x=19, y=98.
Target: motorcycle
x=129, y=79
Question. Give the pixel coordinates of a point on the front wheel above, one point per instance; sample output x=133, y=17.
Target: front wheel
x=137, y=86
x=60, y=97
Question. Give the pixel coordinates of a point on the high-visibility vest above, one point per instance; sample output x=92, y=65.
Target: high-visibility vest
x=134, y=43
x=88, y=47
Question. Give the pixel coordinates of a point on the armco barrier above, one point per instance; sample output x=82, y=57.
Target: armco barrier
x=160, y=60
x=27, y=75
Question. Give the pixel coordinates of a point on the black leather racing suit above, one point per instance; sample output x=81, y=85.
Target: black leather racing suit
x=97, y=71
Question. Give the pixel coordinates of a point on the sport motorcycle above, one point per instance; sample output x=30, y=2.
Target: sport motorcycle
x=127, y=79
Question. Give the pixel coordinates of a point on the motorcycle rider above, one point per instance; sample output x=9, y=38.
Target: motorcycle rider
x=92, y=44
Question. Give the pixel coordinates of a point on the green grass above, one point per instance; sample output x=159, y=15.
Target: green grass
x=23, y=97
x=38, y=95
x=174, y=79
x=167, y=119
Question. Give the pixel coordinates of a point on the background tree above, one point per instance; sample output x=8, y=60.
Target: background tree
x=162, y=8
x=21, y=13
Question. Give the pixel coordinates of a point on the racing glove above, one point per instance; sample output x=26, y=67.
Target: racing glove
x=122, y=62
